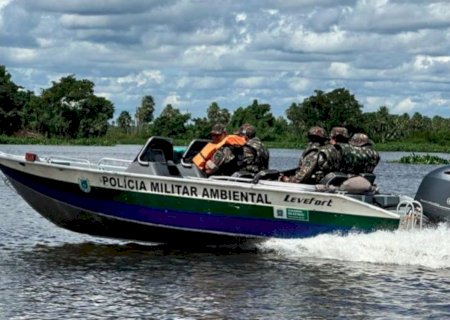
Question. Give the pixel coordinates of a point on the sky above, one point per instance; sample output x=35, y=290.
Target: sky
x=190, y=53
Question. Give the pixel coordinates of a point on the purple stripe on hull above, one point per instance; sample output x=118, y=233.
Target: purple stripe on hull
x=174, y=218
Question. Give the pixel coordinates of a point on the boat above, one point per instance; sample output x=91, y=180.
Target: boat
x=162, y=197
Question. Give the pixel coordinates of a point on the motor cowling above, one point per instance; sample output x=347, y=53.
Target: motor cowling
x=434, y=194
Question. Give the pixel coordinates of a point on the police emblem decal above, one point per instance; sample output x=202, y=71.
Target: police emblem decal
x=84, y=184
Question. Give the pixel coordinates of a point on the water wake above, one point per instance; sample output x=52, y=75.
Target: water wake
x=428, y=248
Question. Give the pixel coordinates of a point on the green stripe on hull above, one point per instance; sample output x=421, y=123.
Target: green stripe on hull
x=204, y=206
x=347, y=220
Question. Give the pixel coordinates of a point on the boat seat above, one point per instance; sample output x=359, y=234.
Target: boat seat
x=194, y=147
x=242, y=174
x=369, y=176
x=337, y=178
x=386, y=200
x=153, y=155
x=334, y=179
x=173, y=169
x=157, y=149
x=156, y=158
x=189, y=170
x=268, y=174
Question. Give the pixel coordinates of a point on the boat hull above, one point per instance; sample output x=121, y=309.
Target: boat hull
x=124, y=206
x=96, y=224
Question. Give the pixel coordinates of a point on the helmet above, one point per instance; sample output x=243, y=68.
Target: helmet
x=317, y=132
x=360, y=140
x=247, y=130
x=339, y=132
x=218, y=129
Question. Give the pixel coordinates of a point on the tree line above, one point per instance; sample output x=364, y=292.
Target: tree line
x=69, y=109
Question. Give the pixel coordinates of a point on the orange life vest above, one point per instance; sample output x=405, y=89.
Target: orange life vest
x=207, y=152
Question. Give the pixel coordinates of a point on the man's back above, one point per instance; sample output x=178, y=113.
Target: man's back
x=255, y=156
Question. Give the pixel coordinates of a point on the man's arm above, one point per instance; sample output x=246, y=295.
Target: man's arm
x=221, y=156
x=307, y=168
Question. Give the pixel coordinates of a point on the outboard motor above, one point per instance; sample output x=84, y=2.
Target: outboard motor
x=434, y=195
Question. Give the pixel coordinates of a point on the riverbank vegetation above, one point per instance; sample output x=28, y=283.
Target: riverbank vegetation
x=422, y=159
x=69, y=112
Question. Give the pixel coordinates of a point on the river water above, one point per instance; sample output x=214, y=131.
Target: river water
x=50, y=273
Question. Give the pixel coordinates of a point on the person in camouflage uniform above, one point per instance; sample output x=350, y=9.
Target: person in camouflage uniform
x=317, y=160
x=368, y=157
x=317, y=137
x=354, y=159
x=227, y=159
x=255, y=154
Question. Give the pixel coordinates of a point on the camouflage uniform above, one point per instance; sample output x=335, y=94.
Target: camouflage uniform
x=308, y=163
x=352, y=159
x=368, y=157
x=307, y=166
x=317, y=137
x=225, y=161
x=328, y=161
x=315, y=165
x=255, y=156
x=310, y=147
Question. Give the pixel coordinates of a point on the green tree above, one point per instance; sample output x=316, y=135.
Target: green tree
x=94, y=115
x=70, y=109
x=124, y=121
x=258, y=115
x=380, y=124
x=170, y=123
x=144, y=114
x=12, y=101
x=440, y=132
x=201, y=127
x=216, y=114
x=336, y=108
x=296, y=118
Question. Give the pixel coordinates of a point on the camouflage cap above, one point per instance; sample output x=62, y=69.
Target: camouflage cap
x=247, y=130
x=360, y=140
x=339, y=132
x=317, y=132
x=218, y=128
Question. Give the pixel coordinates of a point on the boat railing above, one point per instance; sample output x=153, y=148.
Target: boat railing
x=231, y=178
x=268, y=183
x=411, y=214
x=103, y=163
x=113, y=163
x=62, y=160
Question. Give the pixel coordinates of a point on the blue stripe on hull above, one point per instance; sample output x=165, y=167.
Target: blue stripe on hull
x=172, y=218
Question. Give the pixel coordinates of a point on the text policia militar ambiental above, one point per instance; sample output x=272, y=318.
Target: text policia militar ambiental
x=206, y=192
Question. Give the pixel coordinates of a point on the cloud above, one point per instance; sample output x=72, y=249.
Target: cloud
x=405, y=105
x=190, y=53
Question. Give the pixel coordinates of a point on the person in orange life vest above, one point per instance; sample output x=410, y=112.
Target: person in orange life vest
x=218, y=133
x=220, y=156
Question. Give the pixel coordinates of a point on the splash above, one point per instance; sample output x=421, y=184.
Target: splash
x=428, y=248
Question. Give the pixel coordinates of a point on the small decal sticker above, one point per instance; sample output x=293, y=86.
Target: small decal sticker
x=291, y=214
x=84, y=185
x=279, y=213
x=296, y=214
